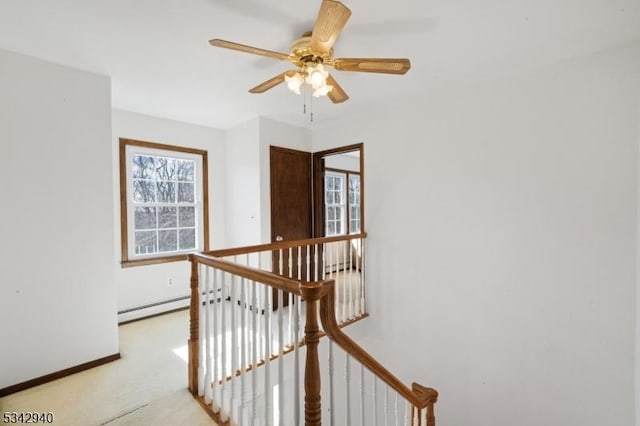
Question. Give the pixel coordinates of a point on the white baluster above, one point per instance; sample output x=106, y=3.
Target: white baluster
x=201, y=336
x=254, y=359
x=268, y=392
x=289, y=297
x=296, y=360
x=223, y=375
x=244, y=308
x=396, y=409
x=280, y=356
x=234, y=343
x=347, y=375
x=407, y=408
x=217, y=333
x=316, y=265
x=340, y=287
x=308, y=261
x=375, y=400
x=290, y=262
x=358, y=275
x=207, y=331
x=363, y=281
x=362, y=395
x=345, y=286
x=332, y=401
x=386, y=405
x=353, y=295
x=325, y=260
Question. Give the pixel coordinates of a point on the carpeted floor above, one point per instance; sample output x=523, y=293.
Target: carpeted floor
x=148, y=386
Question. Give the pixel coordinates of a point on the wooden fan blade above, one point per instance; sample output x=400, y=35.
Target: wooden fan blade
x=379, y=65
x=271, y=83
x=331, y=19
x=337, y=94
x=248, y=49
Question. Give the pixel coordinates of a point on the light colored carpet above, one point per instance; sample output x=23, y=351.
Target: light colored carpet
x=148, y=386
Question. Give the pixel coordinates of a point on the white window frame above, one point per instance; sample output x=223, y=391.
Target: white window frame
x=129, y=149
x=342, y=206
x=358, y=203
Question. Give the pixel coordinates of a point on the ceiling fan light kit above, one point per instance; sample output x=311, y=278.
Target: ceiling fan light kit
x=313, y=53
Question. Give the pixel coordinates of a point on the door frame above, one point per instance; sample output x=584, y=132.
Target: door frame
x=317, y=179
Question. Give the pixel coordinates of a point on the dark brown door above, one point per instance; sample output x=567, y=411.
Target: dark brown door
x=291, y=208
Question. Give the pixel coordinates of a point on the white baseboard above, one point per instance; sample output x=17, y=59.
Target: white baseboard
x=153, y=309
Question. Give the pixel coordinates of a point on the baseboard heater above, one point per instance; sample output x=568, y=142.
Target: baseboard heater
x=153, y=309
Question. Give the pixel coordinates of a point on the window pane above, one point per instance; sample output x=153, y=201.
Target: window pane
x=144, y=191
x=168, y=240
x=187, y=239
x=186, y=192
x=338, y=197
x=166, y=192
x=145, y=242
x=331, y=228
x=338, y=227
x=185, y=170
x=329, y=196
x=331, y=213
x=167, y=217
x=165, y=168
x=145, y=218
x=143, y=167
x=329, y=183
x=338, y=183
x=354, y=183
x=187, y=216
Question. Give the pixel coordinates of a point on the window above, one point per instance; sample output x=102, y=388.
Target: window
x=334, y=203
x=354, y=204
x=342, y=187
x=163, y=194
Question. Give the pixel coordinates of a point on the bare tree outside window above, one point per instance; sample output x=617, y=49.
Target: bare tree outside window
x=164, y=207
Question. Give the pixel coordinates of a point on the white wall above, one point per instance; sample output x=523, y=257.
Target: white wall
x=502, y=243
x=243, y=209
x=57, y=295
x=343, y=162
x=143, y=285
x=283, y=135
x=248, y=176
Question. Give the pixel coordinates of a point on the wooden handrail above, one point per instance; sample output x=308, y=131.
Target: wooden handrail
x=320, y=296
x=282, y=245
x=419, y=397
x=277, y=281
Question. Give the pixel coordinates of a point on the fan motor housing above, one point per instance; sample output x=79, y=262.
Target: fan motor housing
x=301, y=49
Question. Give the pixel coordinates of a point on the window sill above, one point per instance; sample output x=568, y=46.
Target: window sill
x=153, y=260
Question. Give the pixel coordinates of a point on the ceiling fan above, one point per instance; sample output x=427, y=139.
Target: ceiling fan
x=314, y=51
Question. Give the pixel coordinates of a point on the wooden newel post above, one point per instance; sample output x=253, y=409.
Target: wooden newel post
x=194, y=328
x=429, y=397
x=312, y=404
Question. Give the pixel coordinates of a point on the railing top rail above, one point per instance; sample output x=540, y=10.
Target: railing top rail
x=282, y=245
x=253, y=274
x=419, y=396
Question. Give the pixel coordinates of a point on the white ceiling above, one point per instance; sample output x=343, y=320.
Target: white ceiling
x=161, y=64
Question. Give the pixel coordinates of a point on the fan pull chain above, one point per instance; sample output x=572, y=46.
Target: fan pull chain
x=304, y=99
x=311, y=106
x=304, y=103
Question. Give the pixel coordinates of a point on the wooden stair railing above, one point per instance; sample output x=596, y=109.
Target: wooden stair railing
x=420, y=397
x=318, y=302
